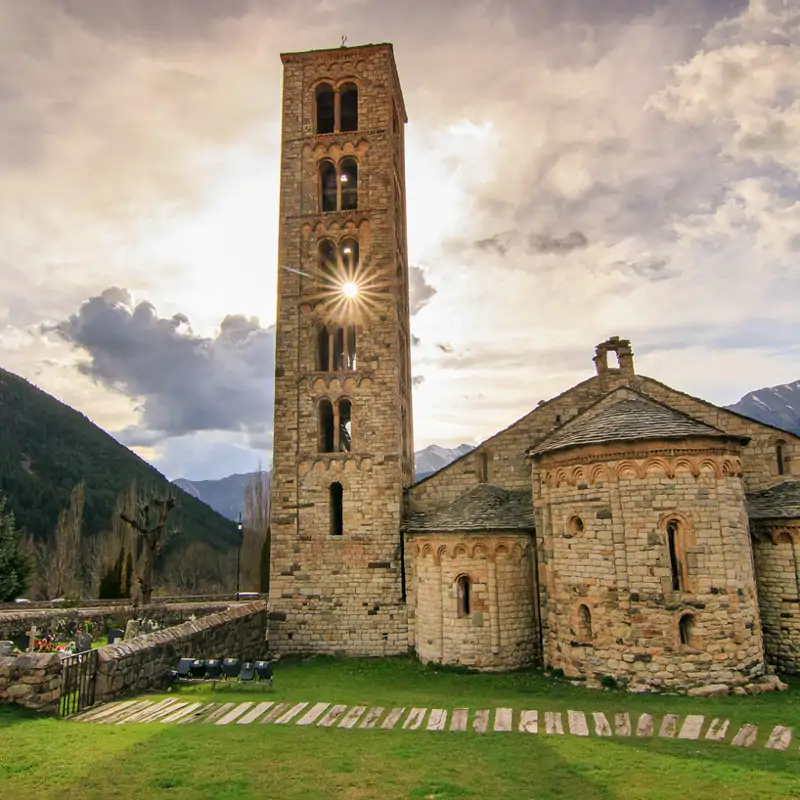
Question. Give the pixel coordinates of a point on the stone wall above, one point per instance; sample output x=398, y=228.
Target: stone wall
x=499, y=630
x=142, y=663
x=601, y=522
x=32, y=681
x=776, y=547
x=16, y=621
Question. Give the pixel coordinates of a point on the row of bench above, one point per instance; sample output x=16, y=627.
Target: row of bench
x=222, y=669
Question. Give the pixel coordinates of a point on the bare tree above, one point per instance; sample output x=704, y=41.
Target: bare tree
x=197, y=569
x=58, y=560
x=150, y=527
x=255, y=540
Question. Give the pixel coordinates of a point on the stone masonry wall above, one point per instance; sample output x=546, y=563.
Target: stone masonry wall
x=776, y=547
x=616, y=563
x=500, y=631
x=329, y=593
x=32, y=681
x=142, y=663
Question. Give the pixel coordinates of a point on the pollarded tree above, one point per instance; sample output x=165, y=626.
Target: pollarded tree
x=15, y=569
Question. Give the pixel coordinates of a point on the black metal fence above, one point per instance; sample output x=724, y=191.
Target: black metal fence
x=77, y=682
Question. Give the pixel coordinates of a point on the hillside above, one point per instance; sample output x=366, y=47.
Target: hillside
x=46, y=448
x=775, y=405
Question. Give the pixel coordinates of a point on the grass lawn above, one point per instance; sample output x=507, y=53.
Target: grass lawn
x=42, y=757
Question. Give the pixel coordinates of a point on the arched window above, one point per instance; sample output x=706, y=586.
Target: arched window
x=584, y=624
x=464, y=595
x=326, y=427
x=328, y=185
x=350, y=259
x=345, y=413
x=326, y=257
x=325, y=108
x=348, y=107
x=323, y=350
x=686, y=630
x=335, y=494
x=780, y=456
x=482, y=466
x=674, y=545
x=348, y=177
x=336, y=349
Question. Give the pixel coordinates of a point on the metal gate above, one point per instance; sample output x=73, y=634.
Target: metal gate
x=77, y=682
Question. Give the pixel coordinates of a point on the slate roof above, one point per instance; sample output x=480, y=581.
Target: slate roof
x=486, y=507
x=627, y=420
x=779, y=502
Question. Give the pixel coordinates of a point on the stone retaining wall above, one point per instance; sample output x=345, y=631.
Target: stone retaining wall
x=33, y=681
x=238, y=632
x=126, y=602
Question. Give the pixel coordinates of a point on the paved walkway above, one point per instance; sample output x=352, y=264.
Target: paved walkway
x=499, y=720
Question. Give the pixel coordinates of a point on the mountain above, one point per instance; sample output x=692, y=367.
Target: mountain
x=226, y=495
x=775, y=405
x=46, y=448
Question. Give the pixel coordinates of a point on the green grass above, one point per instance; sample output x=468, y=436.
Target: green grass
x=50, y=758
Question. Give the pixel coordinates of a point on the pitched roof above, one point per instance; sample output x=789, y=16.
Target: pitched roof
x=779, y=502
x=629, y=419
x=486, y=507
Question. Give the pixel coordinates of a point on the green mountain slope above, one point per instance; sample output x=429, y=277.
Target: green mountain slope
x=46, y=448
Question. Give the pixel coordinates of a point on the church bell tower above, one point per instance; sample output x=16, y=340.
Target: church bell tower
x=343, y=441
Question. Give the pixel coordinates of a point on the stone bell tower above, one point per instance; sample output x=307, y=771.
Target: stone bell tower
x=343, y=443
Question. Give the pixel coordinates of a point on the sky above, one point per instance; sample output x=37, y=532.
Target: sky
x=575, y=169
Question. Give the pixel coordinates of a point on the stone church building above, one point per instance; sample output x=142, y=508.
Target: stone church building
x=621, y=530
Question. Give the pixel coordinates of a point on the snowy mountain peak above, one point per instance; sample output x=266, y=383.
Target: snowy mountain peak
x=775, y=405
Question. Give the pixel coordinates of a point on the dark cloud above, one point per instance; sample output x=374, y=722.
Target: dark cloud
x=184, y=383
x=419, y=290
x=648, y=269
x=415, y=340
x=418, y=380
x=493, y=244
x=541, y=243
x=445, y=347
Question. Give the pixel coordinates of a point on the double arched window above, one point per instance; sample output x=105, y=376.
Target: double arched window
x=339, y=263
x=336, y=349
x=336, y=109
x=335, y=426
x=338, y=185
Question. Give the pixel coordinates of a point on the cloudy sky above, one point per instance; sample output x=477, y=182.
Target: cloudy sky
x=576, y=169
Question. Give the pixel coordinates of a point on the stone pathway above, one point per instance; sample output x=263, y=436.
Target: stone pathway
x=499, y=720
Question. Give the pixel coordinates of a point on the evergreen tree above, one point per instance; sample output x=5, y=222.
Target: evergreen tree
x=15, y=568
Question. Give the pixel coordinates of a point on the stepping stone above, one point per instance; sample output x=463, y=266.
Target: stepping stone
x=392, y=719
x=104, y=711
x=553, y=722
x=234, y=714
x=127, y=712
x=218, y=713
x=290, y=714
x=371, y=720
x=481, y=721
x=165, y=712
x=746, y=736
x=156, y=713
x=622, y=724
x=669, y=726
x=780, y=738
x=692, y=726
x=254, y=714
x=645, y=725
x=199, y=715
x=414, y=719
x=137, y=715
x=577, y=723
x=458, y=721
x=601, y=725
x=274, y=713
x=717, y=730
x=503, y=718
x=332, y=716
x=313, y=714
x=529, y=722
x=437, y=721
x=352, y=716
x=178, y=715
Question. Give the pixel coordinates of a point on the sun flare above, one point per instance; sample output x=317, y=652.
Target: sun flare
x=350, y=290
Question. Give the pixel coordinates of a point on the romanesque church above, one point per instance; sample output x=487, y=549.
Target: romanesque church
x=623, y=530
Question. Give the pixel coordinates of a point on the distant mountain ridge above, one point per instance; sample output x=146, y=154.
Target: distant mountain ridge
x=773, y=405
x=226, y=495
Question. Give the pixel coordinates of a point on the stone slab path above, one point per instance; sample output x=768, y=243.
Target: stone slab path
x=459, y=720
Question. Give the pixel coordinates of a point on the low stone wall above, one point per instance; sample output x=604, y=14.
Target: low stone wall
x=16, y=622
x=238, y=632
x=125, y=602
x=33, y=680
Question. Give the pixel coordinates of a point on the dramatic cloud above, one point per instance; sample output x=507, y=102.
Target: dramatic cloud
x=185, y=383
x=419, y=290
x=555, y=244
